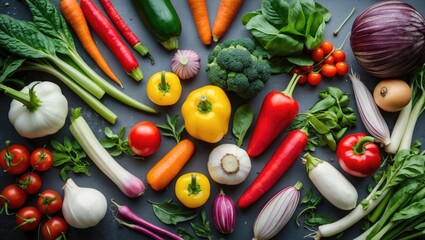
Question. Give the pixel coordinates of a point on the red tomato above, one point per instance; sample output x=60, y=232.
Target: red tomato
x=307, y=68
x=41, y=159
x=318, y=54
x=303, y=79
x=31, y=182
x=144, y=138
x=314, y=78
x=329, y=60
x=12, y=197
x=327, y=46
x=328, y=70
x=341, y=68
x=54, y=228
x=14, y=159
x=49, y=202
x=339, y=55
x=28, y=218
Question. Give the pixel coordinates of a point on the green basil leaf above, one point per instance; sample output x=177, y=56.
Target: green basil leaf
x=315, y=31
x=248, y=16
x=301, y=60
x=318, y=125
x=185, y=234
x=284, y=45
x=296, y=17
x=242, y=120
x=262, y=30
x=322, y=105
x=171, y=213
x=276, y=12
x=324, y=11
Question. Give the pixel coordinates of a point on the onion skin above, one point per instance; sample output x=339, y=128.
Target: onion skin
x=388, y=39
x=224, y=213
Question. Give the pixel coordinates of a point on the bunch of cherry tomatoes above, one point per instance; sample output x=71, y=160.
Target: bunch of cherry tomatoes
x=17, y=161
x=328, y=62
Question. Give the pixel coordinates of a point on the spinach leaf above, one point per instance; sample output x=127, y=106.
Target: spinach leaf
x=276, y=12
x=171, y=213
x=242, y=120
x=9, y=66
x=203, y=229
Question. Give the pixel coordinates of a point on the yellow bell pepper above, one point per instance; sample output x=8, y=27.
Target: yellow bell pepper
x=193, y=189
x=206, y=113
x=164, y=88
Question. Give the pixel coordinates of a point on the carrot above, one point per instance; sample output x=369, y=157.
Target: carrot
x=166, y=169
x=200, y=17
x=74, y=15
x=125, y=30
x=109, y=35
x=226, y=12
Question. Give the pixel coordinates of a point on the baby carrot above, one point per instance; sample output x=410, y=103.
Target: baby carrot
x=125, y=30
x=226, y=12
x=74, y=15
x=109, y=35
x=200, y=17
x=166, y=169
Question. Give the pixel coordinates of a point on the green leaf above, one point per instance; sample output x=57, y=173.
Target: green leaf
x=171, y=213
x=202, y=230
x=172, y=128
x=276, y=12
x=242, y=120
x=185, y=234
x=9, y=66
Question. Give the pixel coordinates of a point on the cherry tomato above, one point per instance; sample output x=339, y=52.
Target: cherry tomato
x=41, y=159
x=328, y=70
x=318, y=54
x=329, y=60
x=307, y=68
x=314, y=78
x=54, y=228
x=303, y=79
x=49, y=202
x=341, y=68
x=31, y=182
x=28, y=218
x=14, y=159
x=13, y=197
x=339, y=55
x=327, y=46
x=144, y=138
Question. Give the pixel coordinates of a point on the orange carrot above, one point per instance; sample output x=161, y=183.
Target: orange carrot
x=200, y=17
x=72, y=12
x=166, y=169
x=227, y=11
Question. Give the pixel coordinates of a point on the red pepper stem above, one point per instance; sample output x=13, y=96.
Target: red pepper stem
x=359, y=147
x=291, y=86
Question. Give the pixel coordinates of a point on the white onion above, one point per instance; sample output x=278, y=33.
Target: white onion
x=388, y=39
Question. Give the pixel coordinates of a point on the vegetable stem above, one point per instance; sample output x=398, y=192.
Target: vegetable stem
x=31, y=101
x=291, y=86
x=335, y=33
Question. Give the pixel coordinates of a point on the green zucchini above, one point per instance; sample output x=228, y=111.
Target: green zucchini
x=161, y=20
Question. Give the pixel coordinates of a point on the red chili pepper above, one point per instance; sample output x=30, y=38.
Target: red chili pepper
x=282, y=159
x=111, y=38
x=358, y=155
x=277, y=111
x=125, y=30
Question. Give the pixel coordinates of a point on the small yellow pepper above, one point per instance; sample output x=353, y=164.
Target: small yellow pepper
x=206, y=113
x=164, y=88
x=193, y=189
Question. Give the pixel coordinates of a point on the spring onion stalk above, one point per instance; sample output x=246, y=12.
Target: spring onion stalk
x=406, y=164
x=402, y=133
x=371, y=116
x=88, y=98
x=129, y=184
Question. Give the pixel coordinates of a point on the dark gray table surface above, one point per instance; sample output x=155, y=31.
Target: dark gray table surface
x=305, y=95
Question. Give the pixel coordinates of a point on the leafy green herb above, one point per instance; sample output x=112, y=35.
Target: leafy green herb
x=311, y=218
x=185, y=234
x=285, y=28
x=171, y=213
x=70, y=156
x=327, y=120
x=203, y=229
x=117, y=142
x=242, y=120
x=172, y=128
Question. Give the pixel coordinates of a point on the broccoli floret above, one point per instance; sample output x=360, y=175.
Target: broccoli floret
x=237, y=82
x=216, y=75
x=234, y=59
x=233, y=66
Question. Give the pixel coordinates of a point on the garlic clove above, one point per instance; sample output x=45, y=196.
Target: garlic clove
x=82, y=207
x=185, y=64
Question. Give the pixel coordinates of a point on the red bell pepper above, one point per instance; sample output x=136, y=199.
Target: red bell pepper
x=358, y=155
x=282, y=159
x=277, y=111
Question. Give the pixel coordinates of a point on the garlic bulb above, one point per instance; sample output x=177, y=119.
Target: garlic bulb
x=185, y=64
x=82, y=207
x=229, y=164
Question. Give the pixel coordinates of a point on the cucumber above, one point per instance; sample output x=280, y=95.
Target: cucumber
x=161, y=20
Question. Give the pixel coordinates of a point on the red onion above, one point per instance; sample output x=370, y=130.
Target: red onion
x=388, y=39
x=224, y=213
